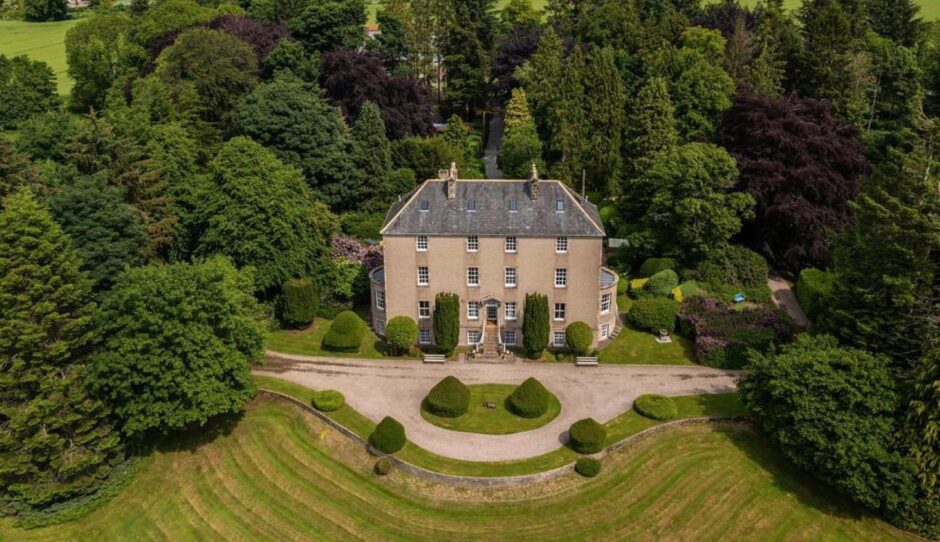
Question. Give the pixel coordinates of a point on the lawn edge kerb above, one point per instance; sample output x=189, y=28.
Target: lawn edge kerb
x=525, y=471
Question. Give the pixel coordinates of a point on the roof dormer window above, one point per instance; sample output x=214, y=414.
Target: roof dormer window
x=425, y=205
x=471, y=205
x=513, y=207
x=559, y=205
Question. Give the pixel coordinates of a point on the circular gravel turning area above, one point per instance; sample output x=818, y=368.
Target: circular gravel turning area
x=490, y=414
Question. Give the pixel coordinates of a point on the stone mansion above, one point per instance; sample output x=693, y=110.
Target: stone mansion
x=492, y=242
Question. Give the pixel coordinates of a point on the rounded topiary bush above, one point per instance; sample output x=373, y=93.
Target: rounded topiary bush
x=587, y=436
x=651, y=266
x=328, y=400
x=661, y=284
x=401, y=332
x=587, y=467
x=300, y=301
x=653, y=314
x=579, y=337
x=622, y=285
x=383, y=466
x=389, y=436
x=449, y=398
x=657, y=407
x=529, y=400
x=345, y=333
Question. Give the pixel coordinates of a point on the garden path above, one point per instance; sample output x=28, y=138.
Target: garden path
x=379, y=388
x=785, y=298
x=491, y=152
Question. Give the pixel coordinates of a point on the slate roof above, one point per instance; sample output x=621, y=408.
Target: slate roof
x=492, y=216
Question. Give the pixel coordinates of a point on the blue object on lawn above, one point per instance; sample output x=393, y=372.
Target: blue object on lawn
x=738, y=298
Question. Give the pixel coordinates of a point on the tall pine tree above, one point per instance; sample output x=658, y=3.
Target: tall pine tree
x=885, y=263
x=651, y=127
x=55, y=438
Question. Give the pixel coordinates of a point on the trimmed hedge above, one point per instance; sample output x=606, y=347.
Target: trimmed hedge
x=300, y=301
x=345, y=333
x=654, y=313
x=657, y=407
x=328, y=400
x=449, y=398
x=535, y=324
x=579, y=337
x=660, y=284
x=401, y=333
x=383, y=466
x=587, y=436
x=389, y=436
x=654, y=265
x=587, y=467
x=446, y=323
x=530, y=399
x=622, y=285
x=731, y=269
x=812, y=289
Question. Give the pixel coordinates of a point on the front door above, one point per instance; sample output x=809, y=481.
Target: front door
x=491, y=312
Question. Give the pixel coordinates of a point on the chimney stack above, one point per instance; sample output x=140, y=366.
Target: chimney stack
x=452, y=181
x=534, y=183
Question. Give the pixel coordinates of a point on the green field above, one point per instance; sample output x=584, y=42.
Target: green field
x=493, y=421
x=39, y=41
x=281, y=474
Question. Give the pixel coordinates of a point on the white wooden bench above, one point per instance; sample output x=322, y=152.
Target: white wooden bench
x=585, y=361
x=434, y=358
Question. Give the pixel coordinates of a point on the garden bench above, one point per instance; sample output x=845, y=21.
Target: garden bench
x=585, y=361
x=434, y=358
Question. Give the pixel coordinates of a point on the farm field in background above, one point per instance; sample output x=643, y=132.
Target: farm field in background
x=39, y=41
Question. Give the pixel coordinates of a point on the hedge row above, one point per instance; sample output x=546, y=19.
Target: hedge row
x=654, y=313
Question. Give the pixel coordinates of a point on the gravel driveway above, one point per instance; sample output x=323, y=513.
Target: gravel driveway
x=379, y=388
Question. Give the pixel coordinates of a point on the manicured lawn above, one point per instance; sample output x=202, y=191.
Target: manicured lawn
x=281, y=474
x=309, y=342
x=493, y=421
x=39, y=41
x=627, y=424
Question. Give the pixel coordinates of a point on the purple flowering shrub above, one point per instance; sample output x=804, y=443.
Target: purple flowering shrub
x=723, y=335
x=347, y=248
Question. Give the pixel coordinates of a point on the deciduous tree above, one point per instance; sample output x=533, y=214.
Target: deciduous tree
x=802, y=167
x=27, y=87
x=260, y=213
x=99, y=50
x=179, y=343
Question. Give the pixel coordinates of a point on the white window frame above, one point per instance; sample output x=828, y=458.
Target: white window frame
x=513, y=206
x=471, y=205
x=424, y=336
x=421, y=243
x=507, y=334
x=560, y=308
x=427, y=275
x=380, y=327
x=424, y=206
x=473, y=310
x=509, y=311
x=471, y=272
x=422, y=305
x=513, y=274
x=606, y=302
x=558, y=339
x=605, y=331
x=380, y=300
x=561, y=277
x=561, y=245
x=513, y=242
x=471, y=333
x=473, y=243
x=559, y=205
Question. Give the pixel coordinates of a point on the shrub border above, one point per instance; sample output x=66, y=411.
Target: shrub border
x=497, y=481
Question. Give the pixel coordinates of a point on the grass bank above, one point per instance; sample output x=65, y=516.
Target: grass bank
x=279, y=473
x=39, y=41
